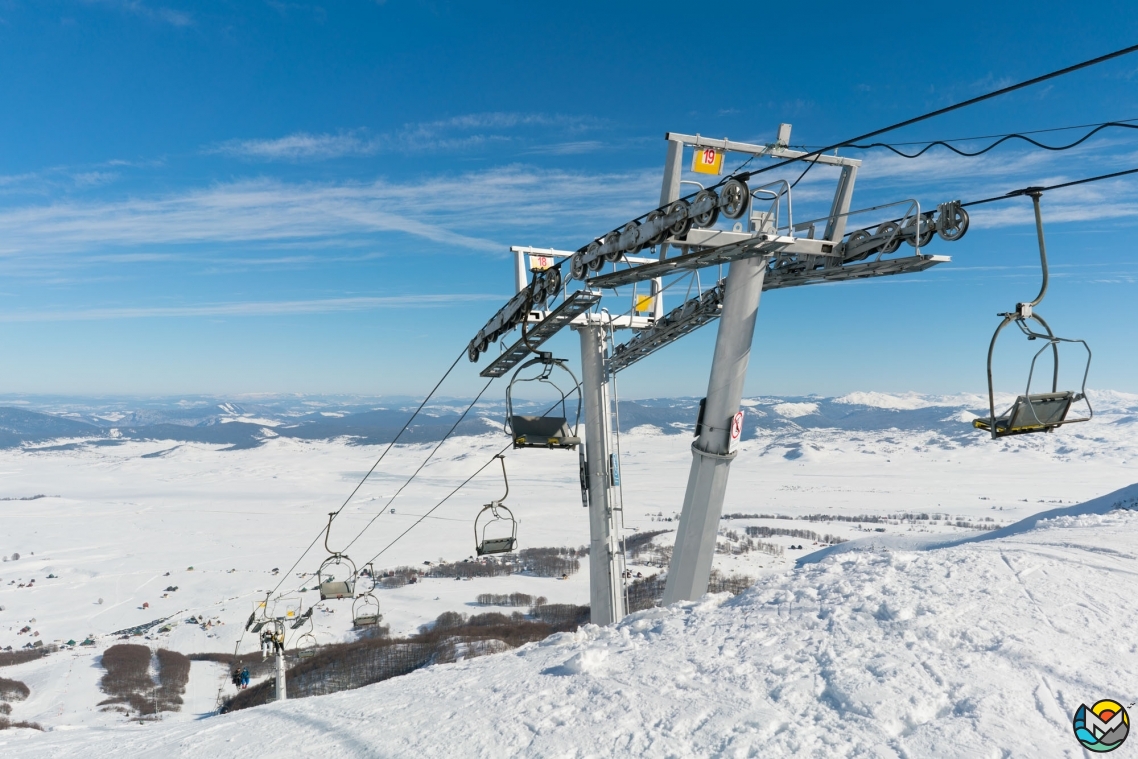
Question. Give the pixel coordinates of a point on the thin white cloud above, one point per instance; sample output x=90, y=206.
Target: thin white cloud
x=469, y=131
x=299, y=146
x=253, y=308
x=484, y=211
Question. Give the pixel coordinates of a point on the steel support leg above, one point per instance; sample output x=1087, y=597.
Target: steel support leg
x=606, y=562
x=281, y=694
x=690, y=568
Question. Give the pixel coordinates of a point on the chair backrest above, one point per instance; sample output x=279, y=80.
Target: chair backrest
x=335, y=589
x=1045, y=409
x=496, y=545
x=539, y=427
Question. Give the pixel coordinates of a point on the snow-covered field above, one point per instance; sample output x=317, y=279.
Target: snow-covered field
x=961, y=651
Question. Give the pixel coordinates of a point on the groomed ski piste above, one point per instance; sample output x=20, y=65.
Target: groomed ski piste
x=918, y=640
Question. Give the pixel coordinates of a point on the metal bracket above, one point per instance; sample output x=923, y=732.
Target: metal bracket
x=574, y=305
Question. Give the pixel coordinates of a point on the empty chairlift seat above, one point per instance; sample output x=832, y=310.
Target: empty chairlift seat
x=500, y=520
x=550, y=430
x=1037, y=412
x=542, y=432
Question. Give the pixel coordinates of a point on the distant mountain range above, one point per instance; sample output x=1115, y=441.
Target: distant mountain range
x=61, y=423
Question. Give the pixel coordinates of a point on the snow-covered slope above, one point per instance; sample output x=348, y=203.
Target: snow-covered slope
x=981, y=649
x=115, y=518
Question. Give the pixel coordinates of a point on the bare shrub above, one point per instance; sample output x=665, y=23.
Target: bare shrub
x=645, y=592
x=635, y=544
x=511, y=599
x=489, y=618
x=9, y=658
x=5, y=724
x=173, y=674
x=13, y=690
x=486, y=567
x=551, y=562
x=561, y=615
x=449, y=619
x=128, y=677
x=733, y=584
x=763, y=531
x=5, y=709
x=342, y=666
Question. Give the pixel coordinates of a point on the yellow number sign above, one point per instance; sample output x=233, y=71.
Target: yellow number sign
x=707, y=161
x=540, y=263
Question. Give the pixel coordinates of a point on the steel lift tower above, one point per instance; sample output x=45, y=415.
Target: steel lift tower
x=764, y=249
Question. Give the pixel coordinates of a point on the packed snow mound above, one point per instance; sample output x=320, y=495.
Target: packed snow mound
x=977, y=649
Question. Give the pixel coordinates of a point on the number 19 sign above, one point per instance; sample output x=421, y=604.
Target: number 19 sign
x=707, y=161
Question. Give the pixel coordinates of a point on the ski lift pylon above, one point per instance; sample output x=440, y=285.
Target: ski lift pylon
x=544, y=431
x=335, y=583
x=496, y=511
x=1035, y=412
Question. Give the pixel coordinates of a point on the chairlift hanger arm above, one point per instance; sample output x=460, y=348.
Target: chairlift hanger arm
x=505, y=479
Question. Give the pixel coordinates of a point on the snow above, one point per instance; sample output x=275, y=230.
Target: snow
x=249, y=419
x=927, y=639
x=910, y=401
x=954, y=652
x=795, y=410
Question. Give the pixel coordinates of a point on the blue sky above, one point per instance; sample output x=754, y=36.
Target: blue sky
x=225, y=197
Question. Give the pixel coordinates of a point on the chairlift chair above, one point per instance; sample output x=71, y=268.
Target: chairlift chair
x=306, y=646
x=331, y=586
x=491, y=513
x=544, y=431
x=365, y=610
x=1035, y=412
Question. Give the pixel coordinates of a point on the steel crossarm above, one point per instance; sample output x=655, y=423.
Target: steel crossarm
x=575, y=304
x=703, y=311
x=750, y=246
x=777, y=279
x=663, y=332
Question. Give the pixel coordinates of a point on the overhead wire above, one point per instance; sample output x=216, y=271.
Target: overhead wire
x=460, y=486
x=355, y=490
x=369, y=472
x=942, y=111
x=1073, y=183
x=813, y=155
x=1003, y=138
x=425, y=461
